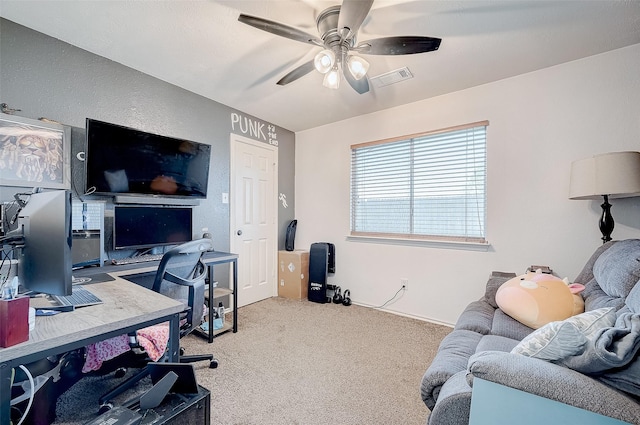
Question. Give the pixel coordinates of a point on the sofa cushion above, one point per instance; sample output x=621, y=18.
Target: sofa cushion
x=476, y=317
x=496, y=343
x=586, y=275
x=507, y=326
x=595, y=297
x=558, y=340
x=617, y=270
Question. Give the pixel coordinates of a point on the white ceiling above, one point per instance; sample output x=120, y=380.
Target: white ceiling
x=200, y=46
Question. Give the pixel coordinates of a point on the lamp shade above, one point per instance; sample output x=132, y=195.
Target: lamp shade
x=616, y=174
x=324, y=61
x=357, y=66
x=332, y=78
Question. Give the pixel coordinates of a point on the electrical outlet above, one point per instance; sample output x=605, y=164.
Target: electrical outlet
x=405, y=283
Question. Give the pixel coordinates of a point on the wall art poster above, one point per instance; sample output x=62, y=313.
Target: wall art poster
x=34, y=153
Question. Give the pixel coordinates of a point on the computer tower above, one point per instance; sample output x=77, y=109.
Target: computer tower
x=87, y=224
x=86, y=247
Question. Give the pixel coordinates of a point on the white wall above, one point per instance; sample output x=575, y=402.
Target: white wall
x=539, y=123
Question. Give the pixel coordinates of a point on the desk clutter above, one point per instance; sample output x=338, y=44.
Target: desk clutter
x=170, y=395
x=49, y=238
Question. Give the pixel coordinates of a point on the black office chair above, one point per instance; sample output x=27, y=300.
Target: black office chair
x=181, y=275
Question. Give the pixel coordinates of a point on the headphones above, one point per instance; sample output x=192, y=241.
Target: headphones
x=337, y=296
x=346, y=300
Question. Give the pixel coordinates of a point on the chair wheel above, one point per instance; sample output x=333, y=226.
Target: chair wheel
x=213, y=364
x=120, y=372
x=181, y=351
x=105, y=408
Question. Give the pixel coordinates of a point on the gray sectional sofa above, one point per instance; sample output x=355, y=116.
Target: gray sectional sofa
x=603, y=377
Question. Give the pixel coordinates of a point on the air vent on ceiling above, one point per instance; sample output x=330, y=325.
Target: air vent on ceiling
x=391, y=77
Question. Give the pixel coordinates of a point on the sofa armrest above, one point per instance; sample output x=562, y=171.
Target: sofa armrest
x=554, y=382
x=452, y=357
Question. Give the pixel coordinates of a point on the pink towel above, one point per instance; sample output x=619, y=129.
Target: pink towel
x=100, y=351
x=153, y=339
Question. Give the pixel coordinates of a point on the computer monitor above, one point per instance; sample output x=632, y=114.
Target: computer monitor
x=137, y=227
x=44, y=263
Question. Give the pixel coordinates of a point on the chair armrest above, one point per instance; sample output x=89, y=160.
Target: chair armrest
x=554, y=382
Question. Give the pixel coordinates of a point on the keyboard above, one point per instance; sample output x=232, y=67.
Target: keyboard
x=137, y=259
x=80, y=297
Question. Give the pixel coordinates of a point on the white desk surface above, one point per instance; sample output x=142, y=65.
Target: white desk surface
x=125, y=304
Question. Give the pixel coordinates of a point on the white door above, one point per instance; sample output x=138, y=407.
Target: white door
x=253, y=217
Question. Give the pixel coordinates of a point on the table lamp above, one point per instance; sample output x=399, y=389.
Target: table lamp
x=615, y=175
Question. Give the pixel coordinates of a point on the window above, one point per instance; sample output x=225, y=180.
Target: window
x=424, y=186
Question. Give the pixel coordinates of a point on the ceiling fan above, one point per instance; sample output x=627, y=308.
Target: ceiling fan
x=338, y=28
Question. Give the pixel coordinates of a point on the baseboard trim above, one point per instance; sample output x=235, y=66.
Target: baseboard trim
x=411, y=316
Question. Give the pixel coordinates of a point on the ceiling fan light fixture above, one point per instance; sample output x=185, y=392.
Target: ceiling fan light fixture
x=324, y=61
x=332, y=78
x=358, y=67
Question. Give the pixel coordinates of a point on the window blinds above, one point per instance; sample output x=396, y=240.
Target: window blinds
x=430, y=186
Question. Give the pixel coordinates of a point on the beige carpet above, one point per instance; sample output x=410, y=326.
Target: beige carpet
x=297, y=362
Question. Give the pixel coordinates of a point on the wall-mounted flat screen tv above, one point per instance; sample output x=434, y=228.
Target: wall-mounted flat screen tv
x=125, y=161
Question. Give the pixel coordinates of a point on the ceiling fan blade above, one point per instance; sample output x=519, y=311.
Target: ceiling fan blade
x=352, y=15
x=401, y=45
x=300, y=71
x=361, y=85
x=279, y=29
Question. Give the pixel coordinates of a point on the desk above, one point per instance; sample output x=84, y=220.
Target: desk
x=126, y=307
x=211, y=259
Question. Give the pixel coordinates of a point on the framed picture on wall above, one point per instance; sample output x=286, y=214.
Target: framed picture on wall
x=34, y=153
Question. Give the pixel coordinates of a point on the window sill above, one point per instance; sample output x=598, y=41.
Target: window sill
x=467, y=246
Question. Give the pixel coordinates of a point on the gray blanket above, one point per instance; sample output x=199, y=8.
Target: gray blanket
x=611, y=355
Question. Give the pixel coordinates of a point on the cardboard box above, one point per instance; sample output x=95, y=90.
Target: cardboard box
x=293, y=274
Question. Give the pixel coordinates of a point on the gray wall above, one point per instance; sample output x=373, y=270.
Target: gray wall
x=45, y=77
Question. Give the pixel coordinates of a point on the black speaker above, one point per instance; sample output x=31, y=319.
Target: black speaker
x=331, y=259
x=318, y=261
x=289, y=241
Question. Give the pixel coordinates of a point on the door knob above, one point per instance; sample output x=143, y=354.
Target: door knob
x=239, y=232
